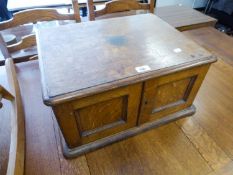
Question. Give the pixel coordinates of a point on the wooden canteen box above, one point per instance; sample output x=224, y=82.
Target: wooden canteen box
x=123, y=79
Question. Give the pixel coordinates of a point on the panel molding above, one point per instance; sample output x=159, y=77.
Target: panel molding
x=120, y=119
x=149, y=113
x=180, y=101
x=69, y=123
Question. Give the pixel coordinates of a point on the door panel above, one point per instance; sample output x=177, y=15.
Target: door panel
x=171, y=93
x=91, y=118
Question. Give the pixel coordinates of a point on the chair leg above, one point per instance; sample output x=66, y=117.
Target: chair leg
x=207, y=6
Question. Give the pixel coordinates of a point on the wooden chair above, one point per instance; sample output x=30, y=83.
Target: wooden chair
x=116, y=6
x=25, y=47
x=26, y=42
x=17, y=141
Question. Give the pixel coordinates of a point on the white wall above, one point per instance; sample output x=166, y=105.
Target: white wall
x=190, y=3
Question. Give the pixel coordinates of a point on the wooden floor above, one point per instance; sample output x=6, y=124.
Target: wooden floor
x=198, y=145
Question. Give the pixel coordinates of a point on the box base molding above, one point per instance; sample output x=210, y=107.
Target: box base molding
x=74, y=152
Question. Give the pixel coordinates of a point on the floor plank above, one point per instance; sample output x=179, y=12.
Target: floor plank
x=165, y=150
x=217, y=42
x=227, y=170
x=77, y=166
x=183, y=17
x=43, y=153
x=214, y=104
x=4, y=128
x=208, y=148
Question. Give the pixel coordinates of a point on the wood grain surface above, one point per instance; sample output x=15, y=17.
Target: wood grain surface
x=198, y=145
x=117, y=6
x=16, y=160
x=40, y=14
x=116, y=51
x=184, y=18
x=5, y=129
x=21, y=27
x=180, y=17
x=217, y=42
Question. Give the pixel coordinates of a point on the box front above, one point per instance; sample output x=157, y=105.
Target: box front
x=170, y=93
x=91, y=118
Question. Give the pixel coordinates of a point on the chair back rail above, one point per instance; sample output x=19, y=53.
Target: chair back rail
x=3, y=48
x=17, y=141
x=26, y=42
x=33, y=16
x=115, y=6
x=5, y=94
x=40, y=14
x=76, y=10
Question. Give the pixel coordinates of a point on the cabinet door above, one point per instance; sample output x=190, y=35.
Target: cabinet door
x=98, y=116
x=170, y=93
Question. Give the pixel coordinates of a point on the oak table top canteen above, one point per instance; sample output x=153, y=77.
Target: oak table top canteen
x=111, y=79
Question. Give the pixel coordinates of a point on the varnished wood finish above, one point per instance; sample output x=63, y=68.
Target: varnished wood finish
x=210, y=150
x=226, y=170
x=184, y=18
x=217, y=42
x=25, y=47
x=5, y=94
x=118, y=6
x=204, y=140
x=35, y=15
x=19, y=32
x=92, y=146
x=26, y=42
x=17, y=141
x=29, y=4
x=171, y=93
x=99, y=116
x=96, y=95
x=3, y=48
x=111, y=63
x=75, y=7
x=9, y=39
x=160, y=151
x=43, y=150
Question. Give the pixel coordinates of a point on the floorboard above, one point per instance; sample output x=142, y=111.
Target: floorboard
x=227, y=170
x=217, y=42
x=4, y=128
x=165, y=150
x=208, y=148
x=214, y=104
x=76, y=166
x=41, y=152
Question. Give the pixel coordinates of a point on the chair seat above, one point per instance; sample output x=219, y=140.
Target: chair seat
x=24, y=53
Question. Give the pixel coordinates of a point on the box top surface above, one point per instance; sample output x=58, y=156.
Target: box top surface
x=79, y=59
